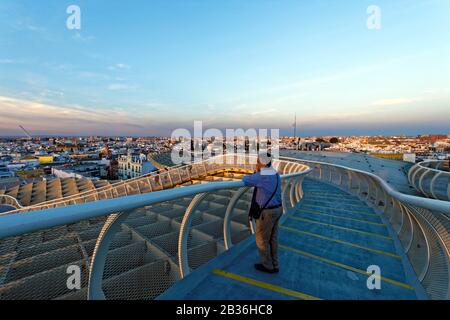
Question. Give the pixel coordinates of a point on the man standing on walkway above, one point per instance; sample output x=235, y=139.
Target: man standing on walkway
x=267, y=196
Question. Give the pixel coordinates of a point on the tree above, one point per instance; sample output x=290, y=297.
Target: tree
x=334, y=140
x=320, y=140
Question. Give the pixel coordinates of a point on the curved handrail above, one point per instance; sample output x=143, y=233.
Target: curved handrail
x=8, y=200
x=16, y=224
x=422, y=169
x=113, y=187
x=427, y=163
x=430, y=204
x=112, y=225
x=106, y=188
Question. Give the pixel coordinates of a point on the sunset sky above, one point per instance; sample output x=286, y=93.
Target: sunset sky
x=147, y=67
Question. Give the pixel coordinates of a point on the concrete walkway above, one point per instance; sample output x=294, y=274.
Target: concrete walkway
x=327, y=244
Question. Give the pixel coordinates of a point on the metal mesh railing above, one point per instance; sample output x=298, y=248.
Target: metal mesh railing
x=156, y=181
x=141, y=261
x=34, y=265
x=129, y=247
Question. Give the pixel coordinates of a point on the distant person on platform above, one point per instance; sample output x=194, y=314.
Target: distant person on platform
x=266, y=209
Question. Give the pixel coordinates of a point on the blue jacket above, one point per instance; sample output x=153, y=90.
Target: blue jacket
x=265, y=182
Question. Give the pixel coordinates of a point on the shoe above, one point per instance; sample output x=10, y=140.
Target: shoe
x=260, y=267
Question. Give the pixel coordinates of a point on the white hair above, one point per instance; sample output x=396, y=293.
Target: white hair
x=265, y=158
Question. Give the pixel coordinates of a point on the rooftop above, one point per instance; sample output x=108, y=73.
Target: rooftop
x=394, y=172
x=184, y=234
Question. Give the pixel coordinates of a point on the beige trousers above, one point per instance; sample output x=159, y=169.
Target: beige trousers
x=267, y=237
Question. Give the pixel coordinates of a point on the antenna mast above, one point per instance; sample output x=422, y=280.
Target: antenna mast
x=295, y=127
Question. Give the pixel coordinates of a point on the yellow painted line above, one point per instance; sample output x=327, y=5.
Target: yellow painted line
x=346, y=267
x=343, y=210
x=333, y=201
x=263, y=285
x=339, y=217
x=337, y=195
x=332, y=198
x=341, y=228
x=326, y=192
x=350, y=244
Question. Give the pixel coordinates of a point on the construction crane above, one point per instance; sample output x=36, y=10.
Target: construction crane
x=26, y=132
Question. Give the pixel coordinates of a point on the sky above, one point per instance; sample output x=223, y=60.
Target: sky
x=147, y=67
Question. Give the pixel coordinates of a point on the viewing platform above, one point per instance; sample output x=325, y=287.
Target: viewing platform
x=326, y=245
x=184, y=233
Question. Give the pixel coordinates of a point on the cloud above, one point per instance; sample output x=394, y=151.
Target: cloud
x=91, y=75
x=51, y=119
x=51, y=93
x=79, y=37
x=119, y=86
x=395, y=101
x=25, y=25
x=266, y=111
x=119, y=66
x=12, y=107
x=430, y=95
x=435, y=91
x=8, y=61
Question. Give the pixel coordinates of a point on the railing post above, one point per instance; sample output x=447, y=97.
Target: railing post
x=402, y=216
x=298, y=185
x=300, y=188
x=184, y=234
x=228, y=216
x=368, y=188
x=350, y=181
x=170, y=179
x=410, y=240
x=96, y=269
x=359, y=191
x=179, y=175
x=413, y=177
x=411, y=171
x=422, y=177
x=283, y=196
x=421, y=275
x=291, y=193
x=376, y=195
x=432, y=184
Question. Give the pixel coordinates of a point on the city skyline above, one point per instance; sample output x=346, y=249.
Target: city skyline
x=150, y=68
